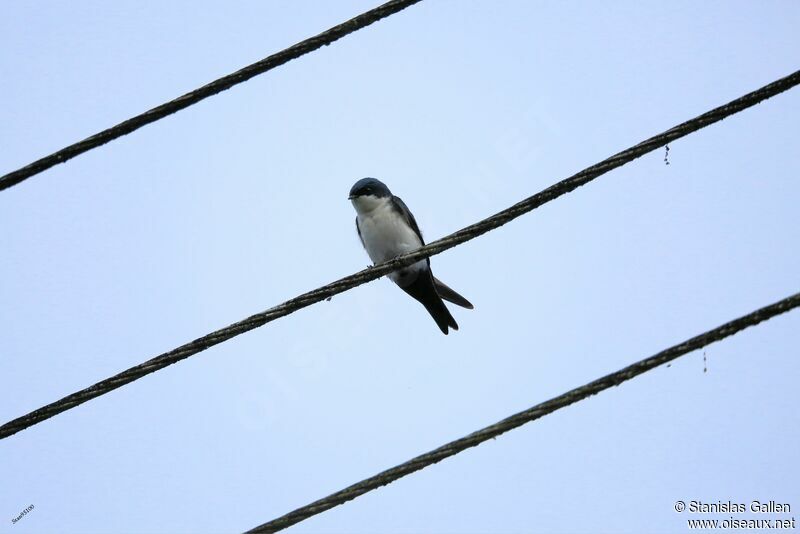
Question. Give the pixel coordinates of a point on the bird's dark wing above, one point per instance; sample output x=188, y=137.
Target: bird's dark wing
x=403, y=210
x=358, y=230
x=427, y=289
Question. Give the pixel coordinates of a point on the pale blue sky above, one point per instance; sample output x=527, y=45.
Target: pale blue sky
x=239, y=202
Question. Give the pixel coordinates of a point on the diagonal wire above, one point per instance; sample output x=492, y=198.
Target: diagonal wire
x=221, y=84
x=531, y=414
x=343, y=284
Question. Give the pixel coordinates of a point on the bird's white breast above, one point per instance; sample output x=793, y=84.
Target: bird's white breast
x=385, y=232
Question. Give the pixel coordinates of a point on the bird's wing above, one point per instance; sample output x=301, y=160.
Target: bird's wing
x=403, y=210
x=358, y=230
x=441, y=288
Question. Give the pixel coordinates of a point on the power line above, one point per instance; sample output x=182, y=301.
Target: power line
x=531, y=414
x=470, y=232
x=221, y=84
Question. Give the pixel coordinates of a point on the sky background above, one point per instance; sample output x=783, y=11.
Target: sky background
x=239, y=203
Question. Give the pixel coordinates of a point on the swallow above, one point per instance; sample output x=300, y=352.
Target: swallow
x=387, y=229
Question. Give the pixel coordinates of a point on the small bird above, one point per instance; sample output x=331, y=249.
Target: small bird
x=387, y=229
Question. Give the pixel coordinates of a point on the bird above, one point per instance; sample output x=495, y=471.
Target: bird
x=387, y=229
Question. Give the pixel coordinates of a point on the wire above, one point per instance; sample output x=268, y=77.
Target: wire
x=221, y=84
x=531, y=414
x=343, y=284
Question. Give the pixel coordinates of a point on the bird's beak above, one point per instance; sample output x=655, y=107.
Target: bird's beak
x=351, y=197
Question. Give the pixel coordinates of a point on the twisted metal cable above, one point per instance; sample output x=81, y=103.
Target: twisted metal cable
x=343, y=284
x=531, y=414
x=221, y=84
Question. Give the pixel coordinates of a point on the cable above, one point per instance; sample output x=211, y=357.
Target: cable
x=531, y=414
x=221, y=84
x=470, y=232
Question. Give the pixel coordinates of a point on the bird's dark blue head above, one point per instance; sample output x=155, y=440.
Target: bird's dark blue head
x=369, y=187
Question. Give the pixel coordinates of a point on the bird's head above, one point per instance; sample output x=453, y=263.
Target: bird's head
x=367, y=193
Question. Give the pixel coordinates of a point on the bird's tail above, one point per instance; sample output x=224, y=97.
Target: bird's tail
x=424, y=291
x=451, y=296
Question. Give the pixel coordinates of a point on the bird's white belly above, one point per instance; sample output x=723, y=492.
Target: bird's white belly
x=386, y=236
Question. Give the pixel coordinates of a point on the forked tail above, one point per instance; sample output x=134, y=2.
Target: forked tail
x=424, y=291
